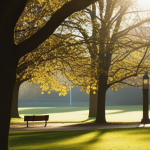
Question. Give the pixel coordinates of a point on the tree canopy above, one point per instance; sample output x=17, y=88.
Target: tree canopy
x=113, y=33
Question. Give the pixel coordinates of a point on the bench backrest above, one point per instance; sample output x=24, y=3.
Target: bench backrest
x=36, y=118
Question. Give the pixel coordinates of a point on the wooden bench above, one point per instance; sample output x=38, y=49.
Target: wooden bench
x=36, y=118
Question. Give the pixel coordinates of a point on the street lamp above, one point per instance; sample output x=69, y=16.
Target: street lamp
x=145, y=119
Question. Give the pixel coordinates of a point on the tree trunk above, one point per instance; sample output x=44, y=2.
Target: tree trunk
x=100, y=117
x=8, y=66
x=93, y=104
x=14, y=107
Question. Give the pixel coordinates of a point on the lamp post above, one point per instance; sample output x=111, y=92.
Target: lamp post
x=145, y=119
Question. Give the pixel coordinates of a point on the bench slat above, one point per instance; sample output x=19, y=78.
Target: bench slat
x=36, y=118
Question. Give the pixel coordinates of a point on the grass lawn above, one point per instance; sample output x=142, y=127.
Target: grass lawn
x=132, y=113
x=103, y=139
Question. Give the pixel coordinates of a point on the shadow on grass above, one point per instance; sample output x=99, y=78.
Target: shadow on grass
x=90, y=119
x=68, y=140
x=36, y=140
x=123, y=109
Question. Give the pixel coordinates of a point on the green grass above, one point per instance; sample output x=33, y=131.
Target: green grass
x=132, y=113
x=103, y=139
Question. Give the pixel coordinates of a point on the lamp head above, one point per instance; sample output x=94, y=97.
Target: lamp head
x=146, y=81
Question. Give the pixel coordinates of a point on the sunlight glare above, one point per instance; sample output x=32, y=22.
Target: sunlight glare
x=143, y=2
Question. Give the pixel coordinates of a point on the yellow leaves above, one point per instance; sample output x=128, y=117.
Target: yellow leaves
x=52, y=83
x=110, y=78
x=88, y=91
x=94, y=92
x=49, y=92
x=88, y=87
x=94, y=88
x=116, y=86
x=24, y=77
x=41, y=1
x=140, y=75
x=47, y=75
x=64, y=94
x=42, y=92
x=71, y=86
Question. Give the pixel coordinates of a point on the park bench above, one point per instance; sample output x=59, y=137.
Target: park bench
x=36, y=118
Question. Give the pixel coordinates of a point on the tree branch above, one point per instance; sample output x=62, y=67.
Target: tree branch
x=58, y=17
x=121, y=33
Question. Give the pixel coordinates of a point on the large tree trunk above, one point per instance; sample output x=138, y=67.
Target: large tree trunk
x=10, y=12
x=8, y=66
x=93, y=104
x=100, y=118
x=14, y=107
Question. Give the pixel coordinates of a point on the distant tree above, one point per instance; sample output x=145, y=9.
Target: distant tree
x=116, y=43
x=10, y=53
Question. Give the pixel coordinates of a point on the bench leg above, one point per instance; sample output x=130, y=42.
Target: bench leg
x=45, y=123
x=27, y=123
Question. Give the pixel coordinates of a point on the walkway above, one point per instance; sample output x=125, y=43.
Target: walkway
x=70, y=126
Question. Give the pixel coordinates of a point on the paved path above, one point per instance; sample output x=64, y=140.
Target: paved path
x=71, y=126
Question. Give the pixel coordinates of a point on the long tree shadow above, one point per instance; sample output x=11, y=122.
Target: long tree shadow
x=68, y=140
x=25, y=139
x=123, y=109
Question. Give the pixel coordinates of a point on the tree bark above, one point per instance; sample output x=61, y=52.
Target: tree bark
x=93, y=104
x=8, y=66
x=14, y=107
x=100, y=117
x=8, y=63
